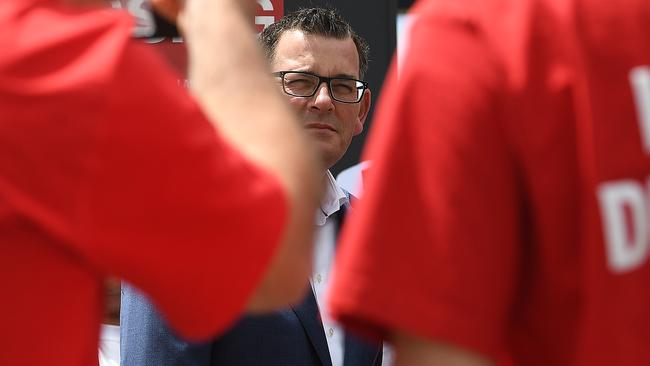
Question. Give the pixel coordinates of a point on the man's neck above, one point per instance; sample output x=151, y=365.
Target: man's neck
x=324, y=177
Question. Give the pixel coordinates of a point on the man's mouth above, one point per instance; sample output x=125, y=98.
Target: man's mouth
x=320, y=126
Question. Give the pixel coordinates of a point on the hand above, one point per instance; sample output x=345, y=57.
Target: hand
x=173, y=10
x=112, y=293
x=169, y=9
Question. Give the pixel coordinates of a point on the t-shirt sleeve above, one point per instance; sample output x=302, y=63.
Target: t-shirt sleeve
x=432, y=247
x=170, y=206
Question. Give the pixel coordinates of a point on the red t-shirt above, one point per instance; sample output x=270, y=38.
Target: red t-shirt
x=107, y=166
x=506, y=210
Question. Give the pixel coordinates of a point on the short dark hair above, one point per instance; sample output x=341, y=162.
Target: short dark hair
x=319, y=22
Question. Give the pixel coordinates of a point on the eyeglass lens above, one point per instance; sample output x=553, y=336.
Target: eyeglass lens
x=305, y=85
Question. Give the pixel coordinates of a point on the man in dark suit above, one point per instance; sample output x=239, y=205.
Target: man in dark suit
x=319, y=62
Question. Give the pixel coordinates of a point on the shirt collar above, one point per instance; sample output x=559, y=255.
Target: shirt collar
x=333, y=198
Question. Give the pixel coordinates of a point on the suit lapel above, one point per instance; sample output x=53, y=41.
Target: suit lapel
x=358, y=352
x=307, y=313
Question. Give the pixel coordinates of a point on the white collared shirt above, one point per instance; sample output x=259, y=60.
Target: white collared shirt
x=109, y=345
x=324, y=250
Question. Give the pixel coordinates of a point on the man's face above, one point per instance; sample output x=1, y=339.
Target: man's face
x=332, y=124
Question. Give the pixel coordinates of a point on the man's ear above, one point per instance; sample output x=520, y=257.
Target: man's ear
x=364, y=108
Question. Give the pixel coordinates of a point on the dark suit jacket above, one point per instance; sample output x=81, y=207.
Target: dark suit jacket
x=293, y=336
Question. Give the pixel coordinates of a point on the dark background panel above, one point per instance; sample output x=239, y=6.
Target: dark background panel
x=375, y=21
x=404, y=4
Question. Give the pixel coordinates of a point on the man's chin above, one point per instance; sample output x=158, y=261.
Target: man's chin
x=328, y=154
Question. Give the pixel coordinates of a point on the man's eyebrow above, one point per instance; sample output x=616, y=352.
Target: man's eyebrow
x=310, y=71
x=344, y=76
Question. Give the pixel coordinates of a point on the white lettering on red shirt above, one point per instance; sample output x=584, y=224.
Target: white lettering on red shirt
x=624, y=204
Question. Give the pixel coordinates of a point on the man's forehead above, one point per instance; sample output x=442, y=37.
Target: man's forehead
x=298, y=49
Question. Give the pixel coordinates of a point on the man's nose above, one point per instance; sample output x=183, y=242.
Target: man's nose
x=323, y=99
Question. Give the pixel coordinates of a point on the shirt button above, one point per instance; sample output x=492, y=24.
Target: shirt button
x=318, y=278
x=330, y=332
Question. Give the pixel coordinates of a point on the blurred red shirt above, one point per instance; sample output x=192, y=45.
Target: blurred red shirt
x=108, y=167
x=506, y=210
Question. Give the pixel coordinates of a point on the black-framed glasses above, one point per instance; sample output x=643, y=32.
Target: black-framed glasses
x=305, y=84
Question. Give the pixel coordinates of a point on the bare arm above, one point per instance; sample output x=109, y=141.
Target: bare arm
x=230, y=79
x=412, y=350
